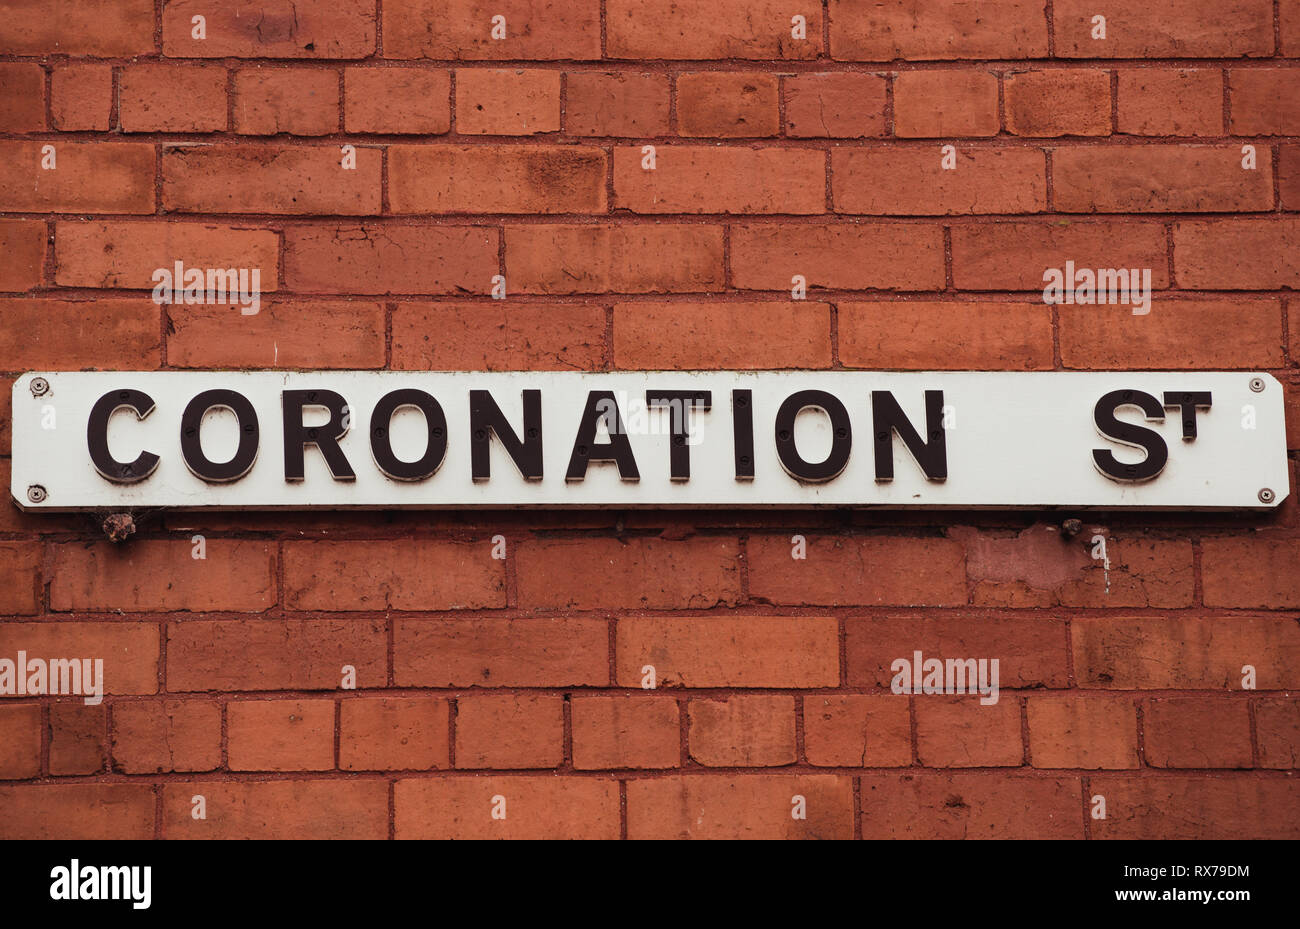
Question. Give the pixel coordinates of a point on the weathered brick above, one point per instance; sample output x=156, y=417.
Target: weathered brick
x=658, y=336
x=1238, y=254
x=392, y=575
x=710, y=179
x=838, y=105
x=22, y=97
x=265, y=654
x=280, y=735
x=875, y=570
x=534, y=29
x=1164, y=29
x=1159, y=179
x=857, y=731
x=276, y=29
x=269, y=179
x=294, y=100
x=393, y=733
x=20, y=741
x=970, y=806
x=383, y=258
x=1167, y=101
x=730, y=104
x=496, y=179
x=930, y=335
x=529, y=652
x=709, y=29
x=754, y=730
x=82, y=812
x=625, y=259
x=718, y=651
x=526, y=808
x=947, y=29
x=161, y=574
x=600, y=573
x=1185, y=653
x=1251, y=572
x=172, y=98
x=499, y=102
x=129, y=649
x=162, y=736
x=90, y=177
x=1070, y=731
x=1196, y=732
x=414, y=101
x=843, y=256
x=81, y=96
x=912, y=182
x=78, y=27
x=494, y=337
x=1016, y=255
x=932, y=104
x=282, y=334
x=509, y=731
x=616, y=103
x=1196, y=808
x=22, y=242
x=77, y=738
x=1058, y=102
x=625, y=732
x=745, y=806
x=282, y=809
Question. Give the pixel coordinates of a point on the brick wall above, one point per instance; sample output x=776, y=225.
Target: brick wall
x=775, y=155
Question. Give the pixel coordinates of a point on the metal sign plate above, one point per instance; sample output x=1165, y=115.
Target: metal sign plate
x=810, y=438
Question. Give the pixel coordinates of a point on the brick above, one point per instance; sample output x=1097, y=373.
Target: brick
x=519, y=102
x=1070, y=731
x=1263, y=101
x=1196, y=808
x=655, y=336
x=625, y=259
x=78, y=27
x=1159, y=179
x=857, y=731
x=948, y=29
x=283, y=334
x=1251, y=572
x=22, y=97
x=277, y=179
x=490, y=652
x=509, y=731
x=77, y=744
x=376, y=258
x=81, y=812
x=81, y=97
x=843, y=256
x=648, y=574
x=157, y=574
x=129, y=649
x=1238, y=254
x=289, y=809
x=615, y=103
x=840, y=571
x=534, y=29
x=947, y=336
x=298, y=101
x=413, y=101
x=393, y=734
x=162, y=736
x=172, y=98
x=1015, y=256
x=1172, y=335
x=720, y=651
x=22, y=242
x=1184, y=653
x=126, y=254
x=1040, y=567
x=20, y=741
x=1031, y=650
x=1196, y=732
x=931, y=104
x=911, y=182
x=729, y=104
x=1288, y=176
x=963, y=732
x=529, y=808
x=841, y=105
x=970, y=806
x=697, y=29
x=1058, y=103
x=21, y=587
x=1290, y=27
x=276, y=29
x=709, y=179
x=755, y=730
x=745, y=806
x=492, y=337
x=265, y=654
x=89, y=177
x=1168, y=101
x=280, y=735
x=1164, y=29
x=625, y=732
x=1277, y=725
x=496, y=179
x=392, y=575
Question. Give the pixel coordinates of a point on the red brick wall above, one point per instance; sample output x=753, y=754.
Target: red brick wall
x=775, y=156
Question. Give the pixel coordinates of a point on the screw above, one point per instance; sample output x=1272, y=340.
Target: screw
x=40, y=386
x=36, y=493
x=1266, y=495
x=1257, y=384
